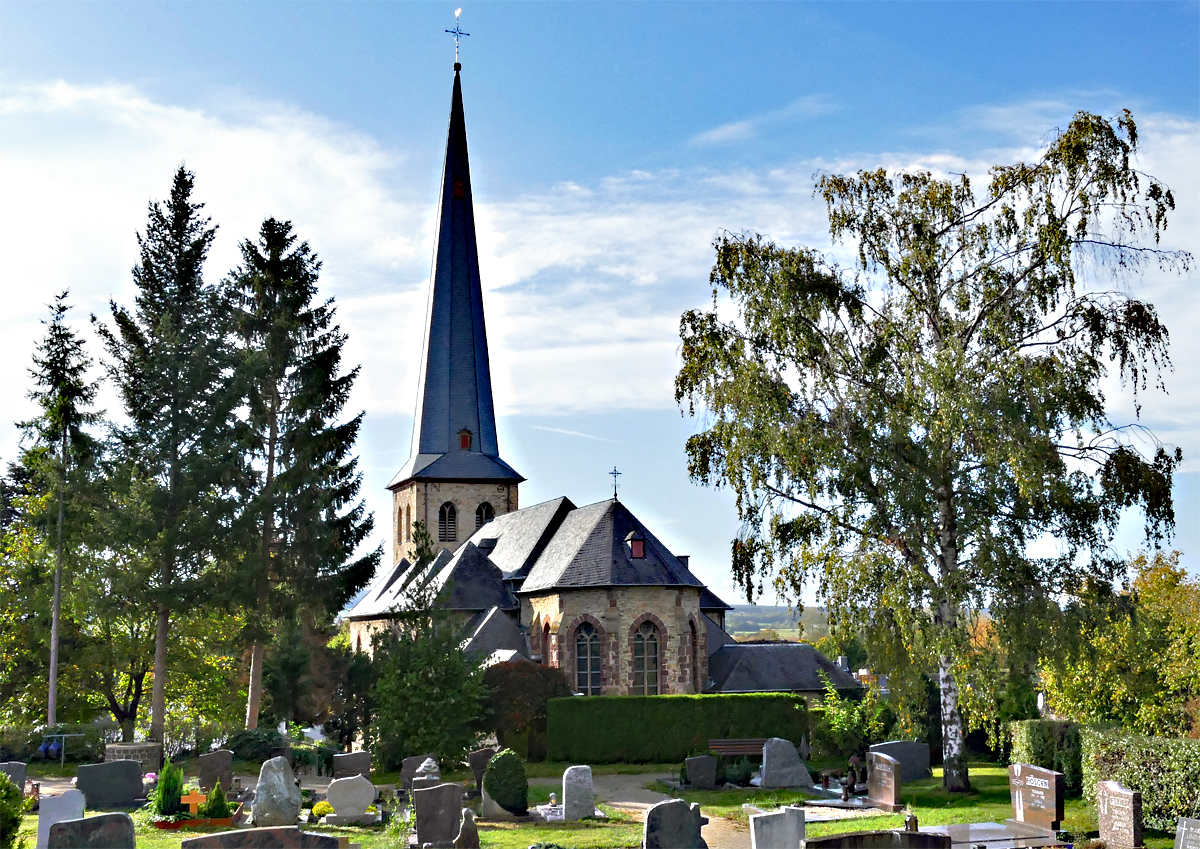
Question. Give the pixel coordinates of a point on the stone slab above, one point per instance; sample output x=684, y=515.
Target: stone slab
x=52, y=809
x=782, y=829
x=913, y=757
x=674, y=824
x=408, y=769
x=216, y=766
x=277, y=837
x=351, y=797
x=105, y=831
x=884, y=782
x=478, y=760
x=1037, y=796
x=1119, y=811
x=994, y=835
x=1187, y=833
x=702, y=772
x=439, y=814
x=578, y=797
x=349, y=764
x=781, y=765
x=468, y=832
x=881, y=840
x=112, y=784
x=15, y=770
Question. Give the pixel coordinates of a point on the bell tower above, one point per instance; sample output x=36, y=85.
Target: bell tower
x=454, y=480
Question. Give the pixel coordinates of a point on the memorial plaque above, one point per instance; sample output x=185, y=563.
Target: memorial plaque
x=884, y=779
x=1037, y=796
x=1187, y=834
x=1119, y=810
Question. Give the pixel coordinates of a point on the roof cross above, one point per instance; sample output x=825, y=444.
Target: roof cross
x=457, y=33
x=614, y=474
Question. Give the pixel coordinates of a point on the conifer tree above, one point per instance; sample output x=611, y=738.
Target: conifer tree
x=308, y=524
x=61, y=446
x=172, y=363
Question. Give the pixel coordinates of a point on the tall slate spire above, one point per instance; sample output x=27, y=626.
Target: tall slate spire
x=454, y=396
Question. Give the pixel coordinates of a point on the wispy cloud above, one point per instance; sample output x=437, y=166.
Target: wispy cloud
x=808, y=106
x=577, y=433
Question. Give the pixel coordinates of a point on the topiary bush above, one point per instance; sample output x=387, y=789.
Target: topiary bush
x=1165, y=769
x=164, y=801
x=216, y=806
x=506, y=783
x=1050, y=744
x=12, y=811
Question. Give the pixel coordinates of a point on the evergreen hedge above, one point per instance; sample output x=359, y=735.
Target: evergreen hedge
x=663, y=729
x=505, y=782
x=1165, y=769
x=1050, y=744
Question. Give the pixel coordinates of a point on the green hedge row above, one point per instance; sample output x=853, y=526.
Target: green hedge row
x=662, y=729
x=1165, y=769
x=1051, y=744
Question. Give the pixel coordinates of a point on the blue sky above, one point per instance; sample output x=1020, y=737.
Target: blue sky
x=610, y=143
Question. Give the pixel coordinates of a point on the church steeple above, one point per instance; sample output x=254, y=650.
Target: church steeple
x=454, y=431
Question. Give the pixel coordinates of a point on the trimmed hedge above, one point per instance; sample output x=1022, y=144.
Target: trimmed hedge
x=1050, y=744
x=505, y=782
x=1165, y=769
x=663, y=729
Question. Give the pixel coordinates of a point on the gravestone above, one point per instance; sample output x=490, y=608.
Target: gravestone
x=350, y=764
x=490, y=809
x=884, y=780
x=216, y=766
x=1037, y=796
x=421, y=782
x=277, y=837
x=578, y=798
x=52, y=809
x=149, y=755
x=1119, y=811
x=15, y=770
x=803, y=748
x=408, y=769
x=782, y=829
x=350, y=798
x=468, y=832
x=881, y=840
x=439, y=814
x=913, y=757
x=782, y=767
x=113, y=784
x=674, y=824
x=106, y=831
x=276, y=798
x=702, y=772
x=478, y=760
x=1187, y=833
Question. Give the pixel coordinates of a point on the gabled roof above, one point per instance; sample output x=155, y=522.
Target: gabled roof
x=497, y=632
x=518, y=538
x=773, y=667
x=589, y=550
x=455, y=386
x=470, y=581
x=710, y=601
x=715, y=636
x=386, y=591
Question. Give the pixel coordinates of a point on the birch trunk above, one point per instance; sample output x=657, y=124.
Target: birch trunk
x=954, y=743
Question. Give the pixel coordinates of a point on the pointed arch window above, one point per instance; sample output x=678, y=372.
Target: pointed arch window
x=587, y=660
x=408, y=524
x=447, y=523
x=645, y=660
x=695, y=658
x=484, y=514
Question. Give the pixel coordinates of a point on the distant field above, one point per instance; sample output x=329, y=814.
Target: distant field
x=747, y=620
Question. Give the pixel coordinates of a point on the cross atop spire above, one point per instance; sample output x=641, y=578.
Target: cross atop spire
x=458, y=34
x=614, y=474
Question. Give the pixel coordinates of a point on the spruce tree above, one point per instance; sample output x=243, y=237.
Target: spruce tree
x=307, y=520
x=172, y=362
x=61, y=448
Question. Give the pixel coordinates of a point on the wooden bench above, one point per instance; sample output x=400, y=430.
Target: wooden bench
x=750, y=748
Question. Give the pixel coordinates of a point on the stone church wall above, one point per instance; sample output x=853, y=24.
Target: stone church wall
x=425, y=499
x=616, y=613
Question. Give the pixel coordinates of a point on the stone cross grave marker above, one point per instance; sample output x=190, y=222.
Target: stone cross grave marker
x=193, y=800
x=1187, y=833
x=1120, y=813
x=1037, y=796
x=885, y=778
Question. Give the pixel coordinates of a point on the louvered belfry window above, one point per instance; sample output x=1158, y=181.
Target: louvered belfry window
x=587, y=660
x=447, y=523
x=484, y=513
x=645, y=660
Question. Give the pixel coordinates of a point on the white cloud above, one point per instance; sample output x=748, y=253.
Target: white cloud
x=808, y=106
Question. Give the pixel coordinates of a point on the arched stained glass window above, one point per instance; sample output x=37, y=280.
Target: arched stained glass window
x=483, y=514
x=645, y=660
x=447, y=523
x=587, y=660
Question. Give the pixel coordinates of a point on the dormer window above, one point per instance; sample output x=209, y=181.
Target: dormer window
x=464, y=440
x=459, y=191
x=637, y=545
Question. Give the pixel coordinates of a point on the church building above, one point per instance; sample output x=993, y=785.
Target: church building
x=587, y=589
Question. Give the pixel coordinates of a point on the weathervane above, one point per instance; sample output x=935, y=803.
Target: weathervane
x=457, y=33
x=614, y=474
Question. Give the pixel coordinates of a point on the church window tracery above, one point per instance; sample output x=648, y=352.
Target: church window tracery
x=587, y=660
x=645, y=660
x=447, y=523
x=484, y=514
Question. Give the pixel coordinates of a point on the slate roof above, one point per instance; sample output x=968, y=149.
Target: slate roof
x=497, y=633
x=386, y=591
x=520, y=537
x=470, y=581
x=716, y=636
x=589, y=550
x=455, y=386
x=710, y=601
x=773, y=667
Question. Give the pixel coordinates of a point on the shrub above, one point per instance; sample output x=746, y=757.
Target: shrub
x=1165, y=769
x=739, y=773
x=12, y=811
x=322, y=809
x=255, y=744
x=505, y=782
x=164, y=801
x=658, y=729
x=519, y=693
x=1050, y=744
x=850, y=721
x=216, y=806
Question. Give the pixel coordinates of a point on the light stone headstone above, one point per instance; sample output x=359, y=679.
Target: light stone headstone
x=113, y=784
x=106, y=831
x=468, y=832
x=702, y=772
x=216, y=767
x=782, y=766
x=674, y=824
x=782, y=829
x=348, y=764
x=490, y=809
x=439, y=814
x=578, y=797
x=1037, y=796
x=15, y=770
x=409, y=767
x=1119, y=811
x=1187, y=833
x=52, y=809
x=913, y=757
x=276, y=798
x=350, y=798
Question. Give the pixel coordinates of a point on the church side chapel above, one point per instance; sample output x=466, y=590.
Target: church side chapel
x=587, y=589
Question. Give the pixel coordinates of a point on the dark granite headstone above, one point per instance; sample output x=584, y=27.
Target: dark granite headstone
x=106, y=831
x=673, y=824
x=1037, y=796
x=1119, y=811
x=275, y=837
x=885, y=781
x=880, y=840
x=702, y=772
x=216, y=766
x=1187, y=833
x=116, y=784
x=913, y=757
x=15, y=770
x=479, y=760
x=408, y=769
x=439, y=814
x=350, y=764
